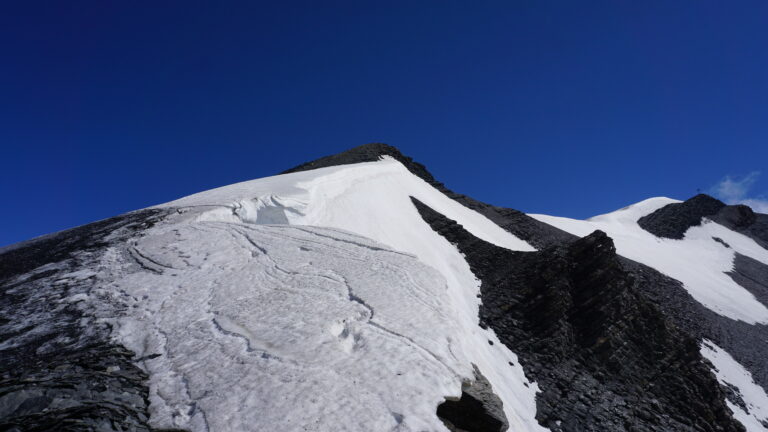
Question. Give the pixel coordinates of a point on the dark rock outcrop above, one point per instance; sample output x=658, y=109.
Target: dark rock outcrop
x=478, y=410
x=673, y=220
x=60, y=369
x=605, y=357
x=736, y=217
x=367, y=153
x=744, y=341
x=752, y=275
x=741, y=218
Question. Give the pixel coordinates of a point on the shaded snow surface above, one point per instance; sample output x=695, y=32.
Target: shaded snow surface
x=266, y=306
x=698, y=260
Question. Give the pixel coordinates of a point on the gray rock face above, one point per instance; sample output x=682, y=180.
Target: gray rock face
x=478, y=410
x=60, y=370
x=752, y=275
x=736, y=217
x=742, y=219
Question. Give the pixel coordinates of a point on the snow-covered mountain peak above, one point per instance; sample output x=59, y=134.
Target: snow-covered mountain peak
x=369, y=198
x=356, y=292
x=373, y=200
x=633, y=212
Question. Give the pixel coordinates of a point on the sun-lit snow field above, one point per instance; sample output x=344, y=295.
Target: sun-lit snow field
x=317, y=300
x=288, y=328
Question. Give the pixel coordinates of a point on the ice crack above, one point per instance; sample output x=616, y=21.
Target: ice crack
x=144, y=262
x=248, y=343
x=359, y=244
x=355, y=298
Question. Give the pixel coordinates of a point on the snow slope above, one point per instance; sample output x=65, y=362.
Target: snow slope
x=698, y=261
x=370, y=198
x=754, y=412
x=322, y=296
x=286, y=328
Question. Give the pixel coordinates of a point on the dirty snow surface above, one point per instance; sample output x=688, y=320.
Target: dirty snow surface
x=288, y=328
x=698, y=260
x=311, y=301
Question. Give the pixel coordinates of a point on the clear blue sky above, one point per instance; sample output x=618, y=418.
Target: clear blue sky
x=560, y=107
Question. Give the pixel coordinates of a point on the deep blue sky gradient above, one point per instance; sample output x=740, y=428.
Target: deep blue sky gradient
x=559, y=107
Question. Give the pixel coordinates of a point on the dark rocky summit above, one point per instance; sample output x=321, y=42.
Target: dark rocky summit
x=367, y=153
x=518, y=223
x=673, y=220
x=605, y=357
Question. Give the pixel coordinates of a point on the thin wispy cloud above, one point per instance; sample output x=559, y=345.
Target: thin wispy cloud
x=759, y=205
x=737, y=190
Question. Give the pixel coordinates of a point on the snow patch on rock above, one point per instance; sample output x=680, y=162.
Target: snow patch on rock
x=754, y=412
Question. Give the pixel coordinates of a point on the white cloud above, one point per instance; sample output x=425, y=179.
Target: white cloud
x=758, y=205
x=732, y=190
x=735, y=190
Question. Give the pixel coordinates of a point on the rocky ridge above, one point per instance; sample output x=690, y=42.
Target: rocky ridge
x=605, y=357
